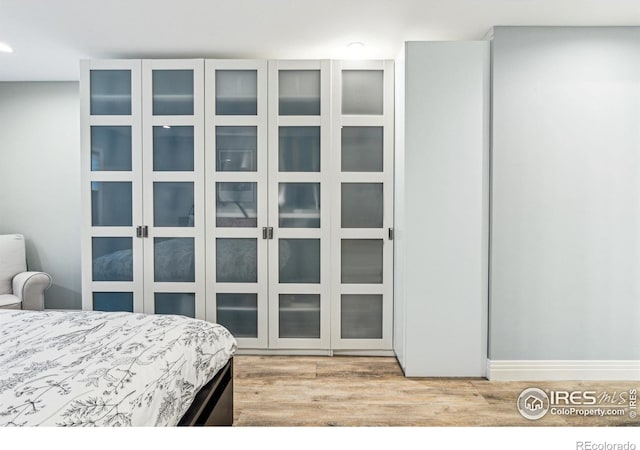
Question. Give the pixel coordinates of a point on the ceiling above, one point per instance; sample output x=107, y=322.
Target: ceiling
x=49, y=37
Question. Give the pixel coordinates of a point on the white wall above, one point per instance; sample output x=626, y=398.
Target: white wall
x=565, y=246
x=400, y=217
x=441, y=203
x=40, y=180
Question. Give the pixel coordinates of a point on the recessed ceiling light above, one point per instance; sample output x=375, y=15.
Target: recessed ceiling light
x=5, y=48
x=355, y=45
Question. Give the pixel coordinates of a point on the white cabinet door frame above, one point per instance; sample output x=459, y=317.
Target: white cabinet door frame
x=88, y=176
x=338, y=233
x=259, y=177
x=197, y=232
x=323, y=233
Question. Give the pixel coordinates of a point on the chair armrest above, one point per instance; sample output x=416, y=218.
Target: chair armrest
x=29, y=287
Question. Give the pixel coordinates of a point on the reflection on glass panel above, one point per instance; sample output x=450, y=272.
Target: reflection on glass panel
x=299, y=149
x=362, y=149
x=172, y=92
x=174, y=259
x=362, y=205
x=173, y=204
x=236, y=204
x=299, y=260
x=299, y=205
x=236, y=149
x=179, y=303
x=299, y=92
x=299, y=316
x=238, y=313
x=236, y=260
x=113, y=301
x=110, y=92
x=361, y=317
x=112, y=258
x=237, y=92
x=111, y=148
x=362, y=91
x=362, y=261
x=111, y=204
x=173, y=148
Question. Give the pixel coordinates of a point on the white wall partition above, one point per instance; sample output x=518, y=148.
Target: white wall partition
x=566, y=201
x=441, y=204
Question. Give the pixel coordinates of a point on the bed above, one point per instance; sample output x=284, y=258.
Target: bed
x=90, y=368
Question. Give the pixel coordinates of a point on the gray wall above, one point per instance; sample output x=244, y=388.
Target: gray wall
x=565, y=245
x=40, y=178
x=441, y=209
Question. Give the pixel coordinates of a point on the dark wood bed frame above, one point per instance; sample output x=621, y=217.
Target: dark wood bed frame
x=213, y=404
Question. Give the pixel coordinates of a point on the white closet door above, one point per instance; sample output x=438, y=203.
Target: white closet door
x=111, y=191
x=236, y=187
x=173, y=149
x=299, y=199
x=362, y=219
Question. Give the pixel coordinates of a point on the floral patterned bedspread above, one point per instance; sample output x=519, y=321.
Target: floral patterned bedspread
x=89, y=368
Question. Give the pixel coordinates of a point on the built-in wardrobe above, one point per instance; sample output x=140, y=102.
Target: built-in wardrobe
x=255, y=194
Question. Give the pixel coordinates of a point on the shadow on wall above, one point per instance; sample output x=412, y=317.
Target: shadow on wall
x=58, y=297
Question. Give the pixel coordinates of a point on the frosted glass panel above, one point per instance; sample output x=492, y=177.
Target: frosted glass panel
x=238, y=313
x=174, y=259
x=172, y=92
x=236, y=204
x=299, y=260
x=113, y=301
x=111, y=204
x=237, y=149
x=362, y=149
x=299, y=149
x=362, y=91
x=111, y=148
x=362, y=205
x=362, y=261
x=299, y=205
x=183, y=304
x=237, y=92
x=110, y=92
x=361, y=317
x=299, y=92
x=173, y=204
x=173, y=148
x=112, y=258
x=236, y=260
x=299, y=316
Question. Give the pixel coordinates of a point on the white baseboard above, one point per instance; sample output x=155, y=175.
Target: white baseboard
x=556, y=370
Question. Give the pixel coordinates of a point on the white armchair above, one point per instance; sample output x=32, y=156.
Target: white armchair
x=19, y=289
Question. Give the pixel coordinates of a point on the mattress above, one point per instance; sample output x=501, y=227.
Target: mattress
x=89, y=368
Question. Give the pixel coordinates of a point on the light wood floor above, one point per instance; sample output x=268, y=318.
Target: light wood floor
x=372, y=391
